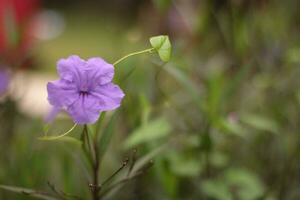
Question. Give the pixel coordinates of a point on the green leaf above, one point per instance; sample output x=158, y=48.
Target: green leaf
x=28, y=192
x=187, y=84
x=260, y=122
x=162, y=5
x=248, y=184
x=298, y=96
x=216, y=189
x=185, y=166
x=163, y=46
x=155, y=129
x=219, y=159
x=231, y=127
x=106, y=136
x=169, y=182
x=71, y=140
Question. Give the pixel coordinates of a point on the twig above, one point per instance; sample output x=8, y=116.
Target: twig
x=124, y=164
x=128, y=178
x=53, y=188
x=132, y=162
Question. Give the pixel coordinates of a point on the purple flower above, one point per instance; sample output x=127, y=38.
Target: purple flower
x=84, y=89
x=4, y=81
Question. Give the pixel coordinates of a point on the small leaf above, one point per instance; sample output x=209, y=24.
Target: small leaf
x=162, y=45
x=152, y=130
x=162, y=5
x=260, y=122
x=231, y=127
x=28, y=192
x=219, y=159
x=185, y=166
x=216, y=189
x=248, y=184
x=71, y=140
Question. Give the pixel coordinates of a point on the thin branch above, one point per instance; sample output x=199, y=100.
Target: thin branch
x=132, y=162
x=124, y=164
x=128, y=178
x=133, y=54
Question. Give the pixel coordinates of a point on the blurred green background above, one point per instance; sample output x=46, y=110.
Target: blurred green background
x=220, y=120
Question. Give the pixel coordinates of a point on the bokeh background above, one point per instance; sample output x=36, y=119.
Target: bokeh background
x=220, y=120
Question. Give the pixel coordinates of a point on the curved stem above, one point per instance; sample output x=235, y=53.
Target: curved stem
x=59, y=136
x=133, y=54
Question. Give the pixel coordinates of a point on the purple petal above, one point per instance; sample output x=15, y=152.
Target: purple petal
x=61, y=93
x=101, y=71
x=109, y=96
x=52, y=114
x=70, y=68
x=83, y=110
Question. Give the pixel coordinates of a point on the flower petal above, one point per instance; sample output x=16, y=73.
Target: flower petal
x=83, y=110
x=102, y=72
x=52, y=114
x=70, y=68
x=61, y=93
x=109, y=96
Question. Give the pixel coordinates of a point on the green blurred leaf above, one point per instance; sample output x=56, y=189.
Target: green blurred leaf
x=231, y=127
x=162, y=5
x=247, y=183
x=145, y=108
x=219, y=159
x=28, y=192
x=182, y=165
x=293, y=55
x=235, y=182
x=106, y=136
x=216, y=189
x=162, y=45
x=167, y=179
x=71, y=140
x=298, y=96
x=153, y=130
x=215, y=85
x=186, y=82
x=260, y=122
x=46, y=128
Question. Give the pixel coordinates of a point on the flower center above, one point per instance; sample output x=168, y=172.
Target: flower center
x=83, y=93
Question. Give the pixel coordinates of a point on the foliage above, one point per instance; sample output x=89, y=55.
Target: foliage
x=220, y=120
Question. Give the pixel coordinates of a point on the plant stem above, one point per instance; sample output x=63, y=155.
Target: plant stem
x=96, y=170
x=93, y=153
x=133, y=54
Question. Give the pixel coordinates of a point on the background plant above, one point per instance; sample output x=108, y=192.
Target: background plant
x=220, y=119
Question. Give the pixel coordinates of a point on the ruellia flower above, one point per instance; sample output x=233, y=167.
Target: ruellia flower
x=84, y=89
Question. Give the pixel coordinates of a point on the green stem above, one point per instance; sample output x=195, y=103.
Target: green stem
x=93, y=157
x=133, y=54
x=58, y=136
